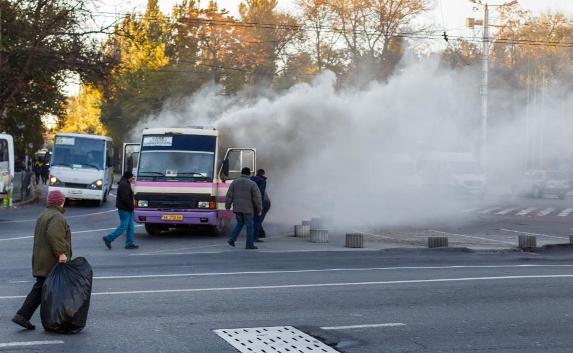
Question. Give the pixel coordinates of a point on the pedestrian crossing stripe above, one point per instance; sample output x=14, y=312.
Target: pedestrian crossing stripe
x=526, y=211
x=522, y=212
x=506, y=211
x=545, y=212
x=566, y=212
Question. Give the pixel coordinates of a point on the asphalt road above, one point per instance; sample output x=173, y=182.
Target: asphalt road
x=159, y=299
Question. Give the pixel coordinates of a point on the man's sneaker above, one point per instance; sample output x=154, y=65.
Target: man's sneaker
x=107, y=243
x=258, y=241
x=251, y=247
x=22, y=321
x=132, y=247
x=231, y=242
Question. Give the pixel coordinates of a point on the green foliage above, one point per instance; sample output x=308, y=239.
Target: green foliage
x=43, y=43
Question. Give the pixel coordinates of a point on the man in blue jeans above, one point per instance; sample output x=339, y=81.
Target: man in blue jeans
x=124, y=204
x=245, y=198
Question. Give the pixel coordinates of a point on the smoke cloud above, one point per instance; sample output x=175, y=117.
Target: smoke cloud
x=350, y=155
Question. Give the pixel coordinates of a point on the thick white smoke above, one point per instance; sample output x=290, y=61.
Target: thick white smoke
x=348, y=154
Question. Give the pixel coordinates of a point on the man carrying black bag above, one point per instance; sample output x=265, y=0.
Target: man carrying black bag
x=52, y=244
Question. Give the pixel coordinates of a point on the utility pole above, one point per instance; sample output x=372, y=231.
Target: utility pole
x=484, y=88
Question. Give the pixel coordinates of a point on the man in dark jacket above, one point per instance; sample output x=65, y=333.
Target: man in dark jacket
x=245, y=198
x=261, y=180
x=124, y=204
x=52, y=244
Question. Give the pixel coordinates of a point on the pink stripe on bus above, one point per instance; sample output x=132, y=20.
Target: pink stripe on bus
x=174, y=184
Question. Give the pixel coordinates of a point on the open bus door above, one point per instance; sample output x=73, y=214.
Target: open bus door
x=6, y=168
x=130, y=157
x=235, y=160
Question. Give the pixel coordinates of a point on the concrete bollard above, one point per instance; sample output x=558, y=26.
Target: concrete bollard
x=315, y=223
x=302, y=231
x=527, y=242
x=354, y=240
x=437, y=242
x=319, y=236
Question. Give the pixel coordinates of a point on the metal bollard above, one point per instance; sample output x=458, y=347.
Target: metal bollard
x=527, y=242
x=302, y=231
x=354, y=240
x=319, y=236
x=437, y=242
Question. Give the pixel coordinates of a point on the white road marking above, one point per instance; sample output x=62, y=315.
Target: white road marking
x=546, y=211
x=565, y=212
x=526, y=211
x=29, y=343
x=391, y=324
x=76, y=232
x=362, y=269
x=67, y=217
x=529, y=233
x=472, y=237
x=489, y=210
x=314, y=285
x=506, y=211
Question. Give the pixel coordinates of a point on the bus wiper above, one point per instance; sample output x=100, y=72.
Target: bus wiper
x=62, y=165
x=151, y=173
x=91, y=166
x=192, y=174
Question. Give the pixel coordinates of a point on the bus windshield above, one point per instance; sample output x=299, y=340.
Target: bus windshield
x=78, y=152
x=177, y=158
x=4, y=157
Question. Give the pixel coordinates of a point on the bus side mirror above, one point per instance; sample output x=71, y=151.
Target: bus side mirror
x=225, y=168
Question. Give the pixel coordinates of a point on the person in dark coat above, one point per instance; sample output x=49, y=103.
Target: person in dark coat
x=37, y=170
x=125, y=206
x=45, y=172
x=52, y=244
x=261, y=180
x=245, y=198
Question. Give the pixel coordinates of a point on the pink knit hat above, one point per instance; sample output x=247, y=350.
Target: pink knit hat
x=56, y=197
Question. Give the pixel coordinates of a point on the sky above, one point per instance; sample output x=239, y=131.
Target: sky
x=450, y=14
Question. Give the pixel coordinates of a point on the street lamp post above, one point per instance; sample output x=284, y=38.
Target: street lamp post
x=484, y=76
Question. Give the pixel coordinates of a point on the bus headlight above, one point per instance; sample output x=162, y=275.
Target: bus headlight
x=55, y=182
x=142, y=203
x=96, y=185
x=203, y=204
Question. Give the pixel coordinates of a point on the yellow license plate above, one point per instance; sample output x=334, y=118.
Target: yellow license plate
x=172, y=217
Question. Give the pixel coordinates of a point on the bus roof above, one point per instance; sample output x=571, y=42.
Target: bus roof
x=182, y=131
x=89, y=136
x=7, y=137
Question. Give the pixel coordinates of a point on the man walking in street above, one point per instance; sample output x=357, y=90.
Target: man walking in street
x=261, y=180
x=245, y=198
x=52, y=244
x=124, y=204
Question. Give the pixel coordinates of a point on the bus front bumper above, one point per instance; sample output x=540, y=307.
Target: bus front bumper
x=79, y=194
x=210, y=217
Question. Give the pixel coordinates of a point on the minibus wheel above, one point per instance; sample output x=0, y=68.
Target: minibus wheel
x=153, y=229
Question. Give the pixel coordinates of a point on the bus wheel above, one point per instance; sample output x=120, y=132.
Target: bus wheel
x=153, y=229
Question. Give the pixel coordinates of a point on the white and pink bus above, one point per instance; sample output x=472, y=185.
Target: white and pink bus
x=181, y=180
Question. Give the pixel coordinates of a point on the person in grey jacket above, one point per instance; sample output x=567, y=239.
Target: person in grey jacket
x=245, y=199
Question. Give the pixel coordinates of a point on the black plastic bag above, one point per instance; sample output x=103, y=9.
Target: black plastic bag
x=66, y=297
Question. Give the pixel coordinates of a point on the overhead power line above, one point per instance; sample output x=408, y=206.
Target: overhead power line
x=428, y=35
